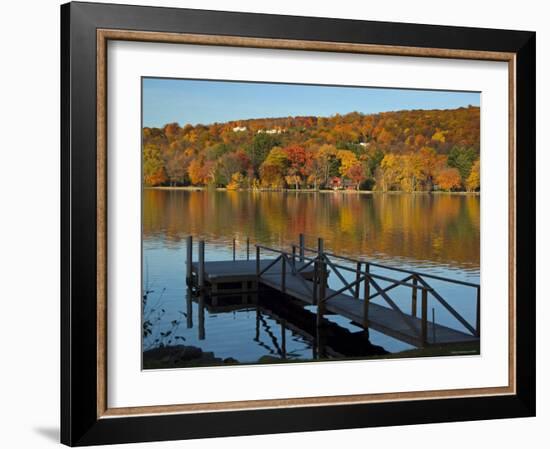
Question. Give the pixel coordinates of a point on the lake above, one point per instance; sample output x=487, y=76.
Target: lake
x=437, y=234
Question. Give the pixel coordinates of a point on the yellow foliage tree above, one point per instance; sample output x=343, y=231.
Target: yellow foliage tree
x=473, y=181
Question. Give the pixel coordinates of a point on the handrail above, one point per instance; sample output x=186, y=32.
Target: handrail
x=382, y=278
x=451, y=309
x=365, y=275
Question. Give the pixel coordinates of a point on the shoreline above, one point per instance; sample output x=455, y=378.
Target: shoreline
x=342, y=191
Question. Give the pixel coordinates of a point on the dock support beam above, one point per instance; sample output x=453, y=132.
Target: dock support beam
x=189, y=266
x=201, y=264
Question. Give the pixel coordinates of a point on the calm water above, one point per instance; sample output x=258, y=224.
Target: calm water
x=436, y=234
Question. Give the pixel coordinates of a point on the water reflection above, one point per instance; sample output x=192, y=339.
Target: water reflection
x=438, y=234
x=428, y=230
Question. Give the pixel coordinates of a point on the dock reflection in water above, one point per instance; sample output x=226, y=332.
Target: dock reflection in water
x=439, y=235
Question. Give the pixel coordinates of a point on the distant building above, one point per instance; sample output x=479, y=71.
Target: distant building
x=238, y=129
x=337, y=183
x=271, y=131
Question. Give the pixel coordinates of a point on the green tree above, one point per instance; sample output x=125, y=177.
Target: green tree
x=462, y=159
x=260, y=147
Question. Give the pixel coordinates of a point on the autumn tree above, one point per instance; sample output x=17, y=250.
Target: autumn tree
x=273, y=169
x=473, y=181
x=448, y=179
x=154, y=173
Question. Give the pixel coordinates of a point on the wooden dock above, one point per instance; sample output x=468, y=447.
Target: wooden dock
x=305, y=278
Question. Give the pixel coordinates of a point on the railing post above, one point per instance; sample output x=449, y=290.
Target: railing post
x=322, y=281
x=433, y=325
x=315, y=281
x=478, y=313
x=257, y=261
x=424, y=316
x=283, y=273
x=233, y=249
x=189, y=267
x=366, y=301
x=414, y=293
x=302, y=245
x=248, y=248
x=201, y=264
x=357, y=279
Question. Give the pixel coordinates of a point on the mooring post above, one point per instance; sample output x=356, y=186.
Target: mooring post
x=366, y=300
x=201, y=264
x=414, y=292
x=478, y=313
x=247, y=248
x=424, y=316
x=302, y=245
x=189, y=267
x=293, y=259
x=322, y=281
x=233, y=249
x=357, y=280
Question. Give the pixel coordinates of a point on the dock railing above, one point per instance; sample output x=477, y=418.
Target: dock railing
x=323, y=261
x=299, y=258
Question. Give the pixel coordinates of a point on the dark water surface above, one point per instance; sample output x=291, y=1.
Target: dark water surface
x=436, y=234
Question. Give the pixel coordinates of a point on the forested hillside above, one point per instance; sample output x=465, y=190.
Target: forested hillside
x=419, y=150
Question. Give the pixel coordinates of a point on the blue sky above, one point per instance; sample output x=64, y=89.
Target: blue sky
x=196, y=101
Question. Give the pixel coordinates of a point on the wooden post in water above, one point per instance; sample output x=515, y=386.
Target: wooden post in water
x=233, y=249
x=302, y=245
x=247, y=248
x=189, y=316
x=189, y=266
x=257, y=261
x=414, y=293
x=283, y=273
x=366, y=300
x=322, y=281
x=357, y=279
x=201, y=264
x=478, y=314
x=293, y=259
x=424, y=316
x=202, y=332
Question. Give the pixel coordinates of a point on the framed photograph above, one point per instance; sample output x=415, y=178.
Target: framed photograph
x=281, y=224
